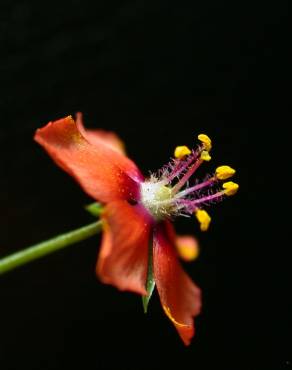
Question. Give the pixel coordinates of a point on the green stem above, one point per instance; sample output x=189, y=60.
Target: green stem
x=49, y=246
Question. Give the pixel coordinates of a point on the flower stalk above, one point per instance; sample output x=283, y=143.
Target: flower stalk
x=42, y=249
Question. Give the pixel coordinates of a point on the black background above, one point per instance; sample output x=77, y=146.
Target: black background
x=158, y=73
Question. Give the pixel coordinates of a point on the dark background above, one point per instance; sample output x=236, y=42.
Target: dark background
x=158, y=73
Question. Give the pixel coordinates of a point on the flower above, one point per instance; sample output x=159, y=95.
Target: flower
x=138, y=235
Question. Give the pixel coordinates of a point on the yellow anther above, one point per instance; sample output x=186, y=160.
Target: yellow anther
x=205, y=156
x=224, y=172
x=207, y=142
x=181, y=151
x=230, y=188
x=203, y=218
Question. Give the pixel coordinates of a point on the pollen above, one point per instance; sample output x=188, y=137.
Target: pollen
x=230, y=188
x=205, y=156
x=181, y=152
x=207, y=142
x=203, y=218
x=224, y=172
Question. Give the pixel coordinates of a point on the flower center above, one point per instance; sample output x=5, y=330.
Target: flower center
x=157, y=198
x=173, y=191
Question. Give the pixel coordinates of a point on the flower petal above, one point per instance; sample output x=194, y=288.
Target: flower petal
x=123, y=259
x=102, y=172
x=95, y=136
x=179, y=296
x=187, y=247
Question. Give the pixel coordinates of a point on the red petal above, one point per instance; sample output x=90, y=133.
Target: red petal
x=187, y=247
x=102, y=172
x=180, y=297
x=123, y=259
x=95, y=136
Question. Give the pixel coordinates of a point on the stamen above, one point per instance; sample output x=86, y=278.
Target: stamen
x=181, y=152
x=195, y=188
x=230, y=188
x=185, y=178
x=205, y=156
x=192, y=205
x=224, y=172
x=207, y=142
x=203, y=218
x=162, y=196
x=182, y=165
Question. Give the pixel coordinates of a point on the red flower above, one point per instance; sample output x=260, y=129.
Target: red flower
x=138, y=211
